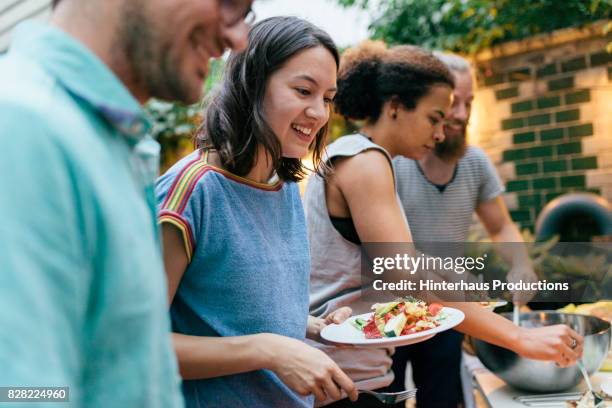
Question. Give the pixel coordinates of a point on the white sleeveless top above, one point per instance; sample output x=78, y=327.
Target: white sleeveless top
x=335, y=277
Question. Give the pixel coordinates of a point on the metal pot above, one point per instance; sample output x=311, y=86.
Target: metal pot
x=542, y=376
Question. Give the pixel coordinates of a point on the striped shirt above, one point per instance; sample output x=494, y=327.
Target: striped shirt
x=446, y=216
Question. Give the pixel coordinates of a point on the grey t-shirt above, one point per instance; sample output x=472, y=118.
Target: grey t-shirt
x=445, y=216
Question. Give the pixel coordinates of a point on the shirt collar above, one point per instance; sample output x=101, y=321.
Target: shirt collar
x=84, y=75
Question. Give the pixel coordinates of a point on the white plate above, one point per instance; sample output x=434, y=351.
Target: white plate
x=346, y=333
x=494, y=305
x=606, y=387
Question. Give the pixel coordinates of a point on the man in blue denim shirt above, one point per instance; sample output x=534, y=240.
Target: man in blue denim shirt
x=82, y=289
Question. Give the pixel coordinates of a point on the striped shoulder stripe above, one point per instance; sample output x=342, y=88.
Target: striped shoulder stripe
x=184, y=228
x=183, y=185
x=176, y=200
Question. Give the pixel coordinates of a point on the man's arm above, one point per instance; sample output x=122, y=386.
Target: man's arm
x=496, y=219
x=367, y=185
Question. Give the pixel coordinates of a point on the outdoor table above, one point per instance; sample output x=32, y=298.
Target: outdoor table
x=497, y=394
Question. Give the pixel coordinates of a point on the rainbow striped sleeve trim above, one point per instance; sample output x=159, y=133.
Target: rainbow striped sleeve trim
x=178, y=196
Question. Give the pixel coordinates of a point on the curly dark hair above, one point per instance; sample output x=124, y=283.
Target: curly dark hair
x=234, y=122
x=372, y=74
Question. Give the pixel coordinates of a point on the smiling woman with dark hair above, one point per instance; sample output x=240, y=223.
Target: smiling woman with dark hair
x=235, y=244
x=236, y=124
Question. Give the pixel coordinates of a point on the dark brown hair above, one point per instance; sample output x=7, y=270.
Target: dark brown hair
x=234, y=122
x=372, y=74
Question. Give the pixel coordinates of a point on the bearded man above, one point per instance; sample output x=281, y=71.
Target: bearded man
x=440, y=195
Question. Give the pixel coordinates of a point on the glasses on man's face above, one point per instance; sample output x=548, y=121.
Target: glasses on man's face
x=234, y=12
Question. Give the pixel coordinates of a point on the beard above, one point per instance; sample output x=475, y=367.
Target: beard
x=454, y=144
x=147, y=52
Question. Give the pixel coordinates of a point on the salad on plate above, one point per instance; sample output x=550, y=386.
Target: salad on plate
x=399, y=318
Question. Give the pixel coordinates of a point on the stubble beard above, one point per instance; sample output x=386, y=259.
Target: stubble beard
x=146, y=50
x=453, y=147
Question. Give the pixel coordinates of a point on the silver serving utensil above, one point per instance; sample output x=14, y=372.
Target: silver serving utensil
x=596, y=396
x=391, y=397
x=569, y=396
x=516, y=314
x=547, y=400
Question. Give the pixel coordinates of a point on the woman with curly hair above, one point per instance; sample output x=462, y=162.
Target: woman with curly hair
x=402, y=95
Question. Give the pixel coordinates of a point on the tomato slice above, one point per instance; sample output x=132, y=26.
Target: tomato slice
x=371, y=331
x=408, y=329
x=434, y=309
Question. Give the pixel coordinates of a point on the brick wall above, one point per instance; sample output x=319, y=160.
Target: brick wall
x=543, y=113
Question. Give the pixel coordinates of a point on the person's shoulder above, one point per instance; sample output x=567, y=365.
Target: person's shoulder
x=368, y=161
x=474, y=153
x=189, y=171
x=291, y=191
x=350, y=145
x=32, y=104
x=292, y=187
x=33, y=134
x=26, y=84
x=25, y=127
x=480, y=167
x=192, y=177
x=403, y=164
x=367, y=169
x=475, y=158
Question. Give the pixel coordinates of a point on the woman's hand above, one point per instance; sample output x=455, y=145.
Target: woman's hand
x=305, y=369
x=557, y=343
x=316, y=324
x=339, y=315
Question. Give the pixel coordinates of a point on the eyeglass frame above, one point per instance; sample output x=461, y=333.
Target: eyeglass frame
x=230, y=19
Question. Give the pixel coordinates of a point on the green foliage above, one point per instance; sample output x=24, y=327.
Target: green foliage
x=338, y=127
x=471, y=25
x=174, y=124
